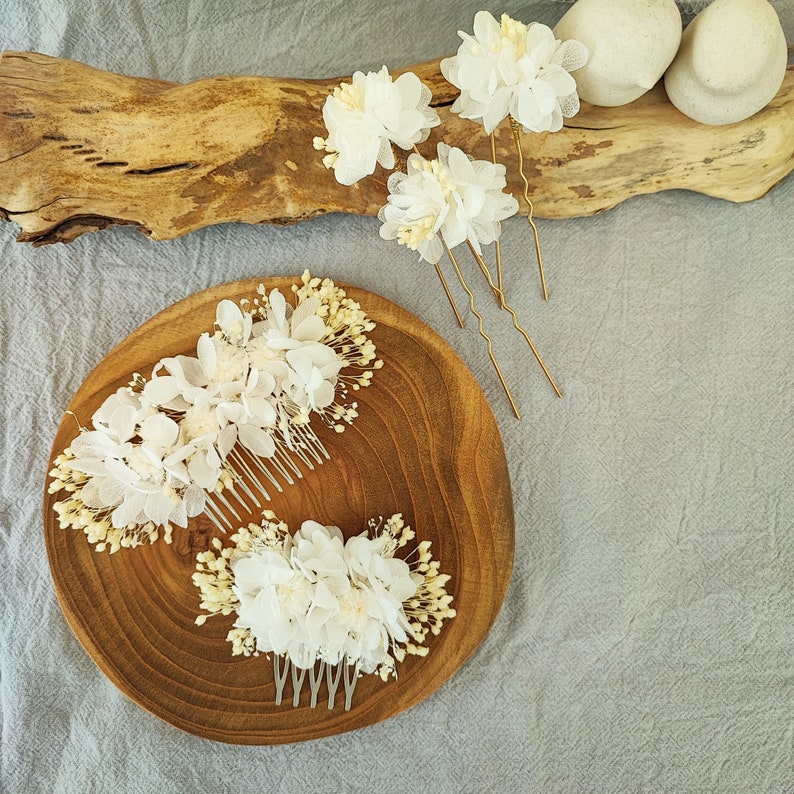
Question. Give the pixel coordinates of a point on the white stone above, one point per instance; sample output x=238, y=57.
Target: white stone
x=630, y=44
x=731, y=63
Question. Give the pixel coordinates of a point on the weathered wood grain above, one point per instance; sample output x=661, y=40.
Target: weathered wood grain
x=82, y=149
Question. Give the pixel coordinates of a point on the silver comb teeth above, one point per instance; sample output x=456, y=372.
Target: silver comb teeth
x=333, y=674
x=253, y=475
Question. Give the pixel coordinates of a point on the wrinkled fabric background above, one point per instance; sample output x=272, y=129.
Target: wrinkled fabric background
x=647, y=639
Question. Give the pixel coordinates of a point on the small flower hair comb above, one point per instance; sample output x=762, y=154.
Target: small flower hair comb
x=505, y=69
x=326, y=608
x=214, y=433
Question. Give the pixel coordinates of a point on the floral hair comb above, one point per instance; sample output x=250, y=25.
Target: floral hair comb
x=214, y=433
x=326, y=608
x=505, y=69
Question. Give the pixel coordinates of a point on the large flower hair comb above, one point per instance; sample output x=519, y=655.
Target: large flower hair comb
x=215, y=433
x=326, y=608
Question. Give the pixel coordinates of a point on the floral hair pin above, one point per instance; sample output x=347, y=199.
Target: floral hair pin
x=326, y=608
x=434, y=204
x=215, y=432
x=522, y=71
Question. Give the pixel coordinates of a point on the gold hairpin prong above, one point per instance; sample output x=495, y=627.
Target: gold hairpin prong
x=481, y=327
x=487, y=273
x=517, y=138
x=449, y=295
x=498, y=245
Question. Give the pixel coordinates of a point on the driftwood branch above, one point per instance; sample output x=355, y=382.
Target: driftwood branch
x=82, y=149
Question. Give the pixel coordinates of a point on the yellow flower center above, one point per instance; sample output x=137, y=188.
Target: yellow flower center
x=515, y=32
x=349, y=95
x=411, y=236
x=199, y=421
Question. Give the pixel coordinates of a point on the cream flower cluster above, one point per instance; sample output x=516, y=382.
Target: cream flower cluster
x=364, y=118
x=453, y=196
x=509, y=68
x=314, y=597
x=158, y=448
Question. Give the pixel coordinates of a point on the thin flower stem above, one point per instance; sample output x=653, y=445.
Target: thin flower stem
x=481, y=327
x=507, y=307
x=74, y=415
x=498, y=240
x=517, y=139
x=449, y=295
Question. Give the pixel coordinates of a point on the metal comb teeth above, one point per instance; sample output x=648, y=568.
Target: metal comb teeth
x=255, y=477
x=333, y=674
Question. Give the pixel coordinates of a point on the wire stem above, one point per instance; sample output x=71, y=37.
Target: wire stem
x=517, y=139
x=516, y=325
x=449, y=295
x=498, y=244
x=481, y=327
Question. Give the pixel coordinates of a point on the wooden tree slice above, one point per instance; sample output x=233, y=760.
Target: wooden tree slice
x=82, y=149
x=425, y=444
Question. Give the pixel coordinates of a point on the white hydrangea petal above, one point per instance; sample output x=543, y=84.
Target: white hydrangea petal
x=158, y=507
x=432, y=250
x=569, y=105
x=128, y=511
x=324, y=598
x=227, y=438
x=187, y=369
x=257, y=440
x=194, y=500
x=263, y=413
x=91, y=466
x=305, y=309
x=486, y=28
x=555, y=121
x=229, y=318
x=556, y=77
x=102, y=492
x=122, y=422
x=571, y=55
x=162, y=390
x=497, y=110
x=160, y=429
x=311, y=329
x=207, y=355
x=278, y=307
x=179, y=515
x=201, y=472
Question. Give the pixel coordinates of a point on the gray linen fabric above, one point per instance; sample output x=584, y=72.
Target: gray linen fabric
x=647, y=638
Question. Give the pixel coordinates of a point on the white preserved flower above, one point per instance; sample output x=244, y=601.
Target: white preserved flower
x=454, y=197
x=417, y=208
x=509, y=68
x=288, y=344
x=135, y=483
x=477, y=197
x=364, y=118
